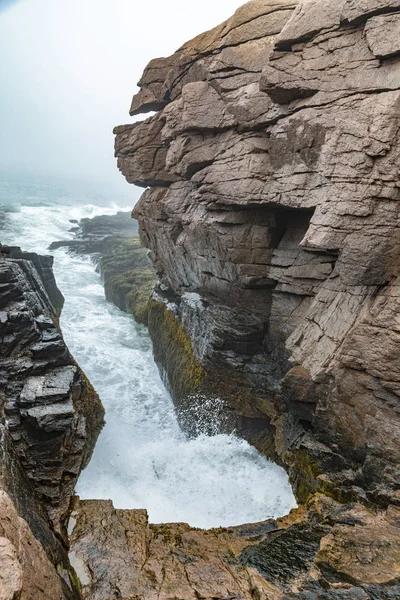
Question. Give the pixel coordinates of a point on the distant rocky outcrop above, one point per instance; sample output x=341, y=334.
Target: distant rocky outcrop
x=50, y=418
x=91, y=235
x=272, y=216
x=122, y=261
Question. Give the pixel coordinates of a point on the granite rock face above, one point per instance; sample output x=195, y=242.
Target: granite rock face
x=272, y=218
x=50, y=418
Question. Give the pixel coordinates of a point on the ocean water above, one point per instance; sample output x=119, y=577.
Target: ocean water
x=142, y=458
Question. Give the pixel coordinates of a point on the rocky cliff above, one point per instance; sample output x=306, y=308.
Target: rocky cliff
x=50, y=418
x=272, y=168
x=271, y=212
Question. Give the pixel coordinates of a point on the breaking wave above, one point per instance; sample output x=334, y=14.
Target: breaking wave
x=142, y=458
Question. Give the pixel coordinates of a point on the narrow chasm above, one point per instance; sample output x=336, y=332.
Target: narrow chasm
x=251, y=446
x=143, y=459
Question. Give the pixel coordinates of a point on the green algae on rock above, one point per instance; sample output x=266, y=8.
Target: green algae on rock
x=131, y=291
x=128, y=277
x=173, y=351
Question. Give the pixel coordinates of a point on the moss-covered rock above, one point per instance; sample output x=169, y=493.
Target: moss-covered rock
x=128, y=277
x=122, y=255
x=173, y=351
x=208, y=399
x=212, y=399
x=131, y=292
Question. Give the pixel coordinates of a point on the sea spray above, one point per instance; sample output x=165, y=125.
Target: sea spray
x=143, y=459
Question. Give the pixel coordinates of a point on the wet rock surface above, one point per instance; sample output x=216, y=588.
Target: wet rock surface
x=123, y=262
x=319, y=552
x=50, y=418
x=52, y=413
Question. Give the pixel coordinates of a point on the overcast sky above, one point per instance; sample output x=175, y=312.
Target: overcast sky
x=68, y=70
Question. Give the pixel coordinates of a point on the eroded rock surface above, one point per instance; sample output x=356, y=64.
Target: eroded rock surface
x=273, y=167
x=272, y=215
x=52, y=413
x=26, y=572
x=326, y=546
x=50, y=418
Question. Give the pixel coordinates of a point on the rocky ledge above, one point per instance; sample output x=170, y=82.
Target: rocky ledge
x=50, y=418
x=319, y=552
x=122, y=261
x=92, y=235
x=271, y=212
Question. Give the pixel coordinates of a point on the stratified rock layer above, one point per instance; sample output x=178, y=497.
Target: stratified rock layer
x=50, y=418
x=274, y=193
x=272, y=168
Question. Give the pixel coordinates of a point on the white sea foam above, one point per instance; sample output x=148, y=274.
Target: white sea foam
x=142, y=458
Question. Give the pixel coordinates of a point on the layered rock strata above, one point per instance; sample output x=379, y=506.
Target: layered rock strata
x=272, y=219
x=271, y=212
x=50, y=418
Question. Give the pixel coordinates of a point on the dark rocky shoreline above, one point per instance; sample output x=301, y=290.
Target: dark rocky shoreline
x=121, y=260
x=50, y=417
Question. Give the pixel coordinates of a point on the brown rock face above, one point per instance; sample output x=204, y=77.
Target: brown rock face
x=273, y=165
x=272, y=214
x=321, y=553
x=26, y=572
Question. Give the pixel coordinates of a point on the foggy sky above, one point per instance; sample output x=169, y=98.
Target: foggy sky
x=68, y=70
